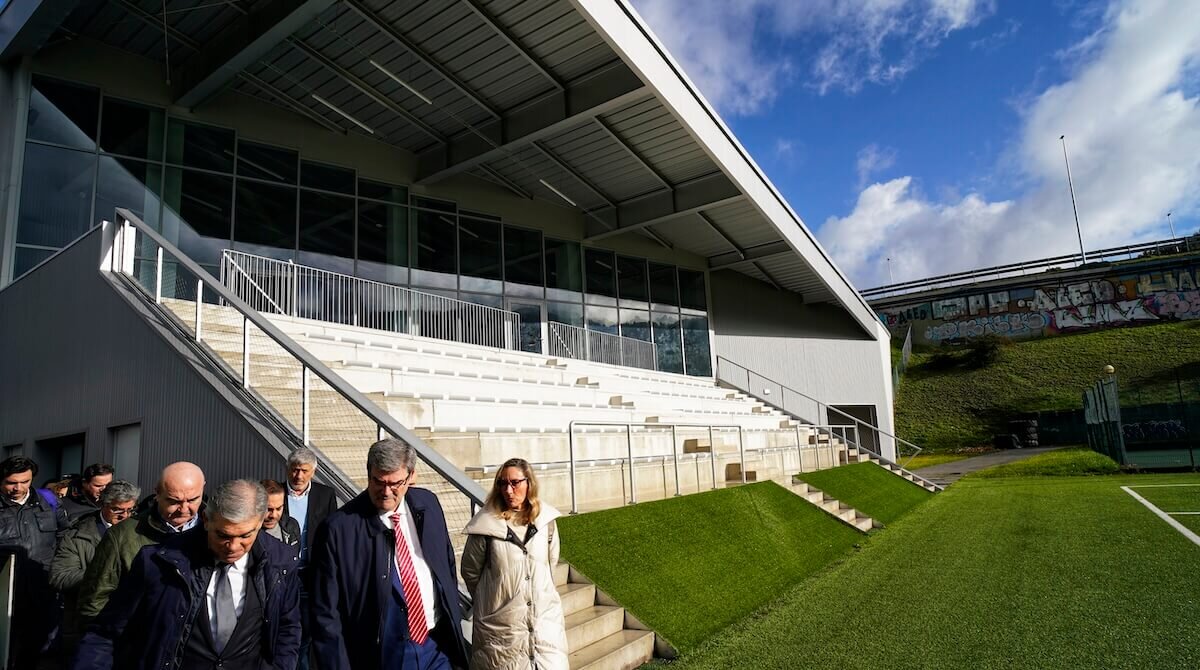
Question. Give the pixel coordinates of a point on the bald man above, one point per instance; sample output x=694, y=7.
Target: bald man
x=176, y=509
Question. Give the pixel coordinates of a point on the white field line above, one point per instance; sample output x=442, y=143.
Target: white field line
x=1156, y=486
x=1164, y=516
x=1181, y=513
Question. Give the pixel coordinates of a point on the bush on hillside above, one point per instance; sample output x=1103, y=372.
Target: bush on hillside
x=983, y=351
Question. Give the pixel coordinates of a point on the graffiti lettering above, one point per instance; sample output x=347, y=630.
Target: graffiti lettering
x=1089, y=316
x=1007, y=325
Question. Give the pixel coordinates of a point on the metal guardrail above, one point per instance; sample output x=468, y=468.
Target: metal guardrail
x=567, y=341
x=760, y=387
x=282, y=287
x=1176, y=245
x=283, y=376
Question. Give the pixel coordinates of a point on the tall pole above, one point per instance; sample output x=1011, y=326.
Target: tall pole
x=891, y=279
x=1071, y=185
x=1171, y=225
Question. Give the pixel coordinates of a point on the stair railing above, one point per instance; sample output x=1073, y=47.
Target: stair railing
x=569, y=341
x=289, y=382
x=759, y=386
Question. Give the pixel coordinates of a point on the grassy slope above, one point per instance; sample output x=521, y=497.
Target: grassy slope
x=690, y=566
x=1065, y=462
x=950, y=409
x=870, y=489
x=926, y=460
x=1006, y=573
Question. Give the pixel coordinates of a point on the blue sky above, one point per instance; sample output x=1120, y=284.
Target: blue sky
x=927, y=130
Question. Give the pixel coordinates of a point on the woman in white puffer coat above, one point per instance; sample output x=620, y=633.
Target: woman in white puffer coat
x=508, y=566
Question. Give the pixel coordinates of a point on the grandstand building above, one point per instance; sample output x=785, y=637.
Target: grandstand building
x=493, y=227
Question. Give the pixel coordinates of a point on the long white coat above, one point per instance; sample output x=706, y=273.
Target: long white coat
x=517, y=616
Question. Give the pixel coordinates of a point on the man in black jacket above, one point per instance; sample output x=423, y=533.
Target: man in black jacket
x=225, y=597
x=28, y=528
x=385, y=592
x=309, y=503
x=84, y=496
x=277, y=523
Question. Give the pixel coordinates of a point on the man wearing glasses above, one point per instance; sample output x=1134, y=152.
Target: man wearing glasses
x=385, y=592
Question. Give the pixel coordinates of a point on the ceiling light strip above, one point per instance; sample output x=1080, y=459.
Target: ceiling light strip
x=558, y=192
x=349, y=118
x=400, y=81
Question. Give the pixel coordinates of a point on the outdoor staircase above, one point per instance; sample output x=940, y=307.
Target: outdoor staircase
x=601, y=635
x=839, y=510
x=907, y=475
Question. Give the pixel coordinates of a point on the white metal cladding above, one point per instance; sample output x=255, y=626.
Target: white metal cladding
x=487, y=63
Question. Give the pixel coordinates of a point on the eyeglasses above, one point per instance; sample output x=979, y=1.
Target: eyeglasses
x=394, y=486
x=514, y=483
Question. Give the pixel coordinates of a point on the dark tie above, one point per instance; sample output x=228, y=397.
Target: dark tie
x=418, y=629
x=225, y=616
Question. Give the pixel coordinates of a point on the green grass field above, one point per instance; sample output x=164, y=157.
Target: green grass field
x=870, y=489
x=691, y=566
x=1181, y=502
x=1061, y=463
x=958, y=407
x=926, y=460
x=1019, y=572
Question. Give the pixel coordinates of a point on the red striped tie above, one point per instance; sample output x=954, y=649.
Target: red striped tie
x=418, y=628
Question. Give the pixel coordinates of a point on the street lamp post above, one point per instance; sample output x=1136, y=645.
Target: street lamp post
x=1071, y=185
x=891, y=279
x=1170, y=225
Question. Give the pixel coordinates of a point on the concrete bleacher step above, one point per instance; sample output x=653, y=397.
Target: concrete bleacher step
x=835, y=508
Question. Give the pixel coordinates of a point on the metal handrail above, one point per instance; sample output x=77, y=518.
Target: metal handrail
x=365, y=302
x=857, y=422
x=123, y=241
x=600, y=347
x=1011, y=269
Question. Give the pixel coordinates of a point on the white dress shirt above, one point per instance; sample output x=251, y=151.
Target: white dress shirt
x=424, y=576
x=237, y=585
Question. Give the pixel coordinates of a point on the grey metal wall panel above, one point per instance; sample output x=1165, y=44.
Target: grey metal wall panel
x=816, y=349
x=76, y=355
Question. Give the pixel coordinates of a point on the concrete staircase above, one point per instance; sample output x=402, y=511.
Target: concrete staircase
x=839, y=510
x=601, y=635
x=907, y=475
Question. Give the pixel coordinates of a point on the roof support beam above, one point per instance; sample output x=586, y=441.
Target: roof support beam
x=632, y=152
x=550, y=155
x=410, y=46
x=583, y=99
x=366, y=89
x=685, y=199
x=506, y=182
x=717, y=229
x=755, y=253
x=767, y=275
x=512, y=41
x=25, y=25
x=242, y=44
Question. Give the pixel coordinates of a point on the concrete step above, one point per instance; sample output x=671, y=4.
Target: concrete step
x=623, y=650
x=593, y=624
x=576, y=597
x=562, y=572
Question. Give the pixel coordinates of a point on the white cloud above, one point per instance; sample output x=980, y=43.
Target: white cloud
x=728, y=48
x=1133, y=137
x=873, y=159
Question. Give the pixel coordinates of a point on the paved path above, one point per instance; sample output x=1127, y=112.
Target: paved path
x=948, y=473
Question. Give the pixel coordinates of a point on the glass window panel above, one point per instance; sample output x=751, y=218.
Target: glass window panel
x=667, y=341
x=522, y=258
x=27, y=258
x=691, y=289
x=327, y=231
x=327, y=177
x=564, y=312
x=198, y=146
x=602, y=319
x=433, y=253
x=261, y=161
x=382, y=242
x=635, y=323
x=599, y=272
x=481, y=299
x=265, y=219
x=380, y=191
x=695, y=346
x=564, y=273
x=56, y=195
x=662, y=285
x=130, y=184
x=63, y=113
x=631, y=278
x=131, y=129
x=439, y=205
x=198, y=216
x=479, y=255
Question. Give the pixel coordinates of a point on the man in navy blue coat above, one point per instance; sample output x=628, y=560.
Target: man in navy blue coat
x=228, y=597
x=385, y=589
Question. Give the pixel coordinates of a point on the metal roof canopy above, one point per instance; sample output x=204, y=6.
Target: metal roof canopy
x=553, y=99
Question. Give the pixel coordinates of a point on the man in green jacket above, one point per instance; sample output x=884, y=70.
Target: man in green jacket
x=176, y=509
x=76, y=548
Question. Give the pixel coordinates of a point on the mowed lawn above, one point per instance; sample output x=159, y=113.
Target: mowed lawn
x=1047, y=572
x=870, y=489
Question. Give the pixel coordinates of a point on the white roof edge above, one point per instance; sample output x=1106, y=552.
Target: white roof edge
x=625, y=31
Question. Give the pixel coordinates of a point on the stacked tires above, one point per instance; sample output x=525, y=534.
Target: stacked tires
x=1025, y=431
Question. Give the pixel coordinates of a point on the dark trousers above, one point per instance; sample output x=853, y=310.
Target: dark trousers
x=411, y=656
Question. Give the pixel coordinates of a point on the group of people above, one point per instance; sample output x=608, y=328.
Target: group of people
x=269, y=574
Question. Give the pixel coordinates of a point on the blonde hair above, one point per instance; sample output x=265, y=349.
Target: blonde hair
x=495, y=499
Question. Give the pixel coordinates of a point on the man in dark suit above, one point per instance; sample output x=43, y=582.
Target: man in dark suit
x=227, y=597
x=309, y=504
x=385, y=590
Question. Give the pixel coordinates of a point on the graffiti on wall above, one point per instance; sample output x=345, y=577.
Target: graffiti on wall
x=1049, y=309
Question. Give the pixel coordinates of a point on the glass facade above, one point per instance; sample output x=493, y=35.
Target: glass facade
x=208, y=189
